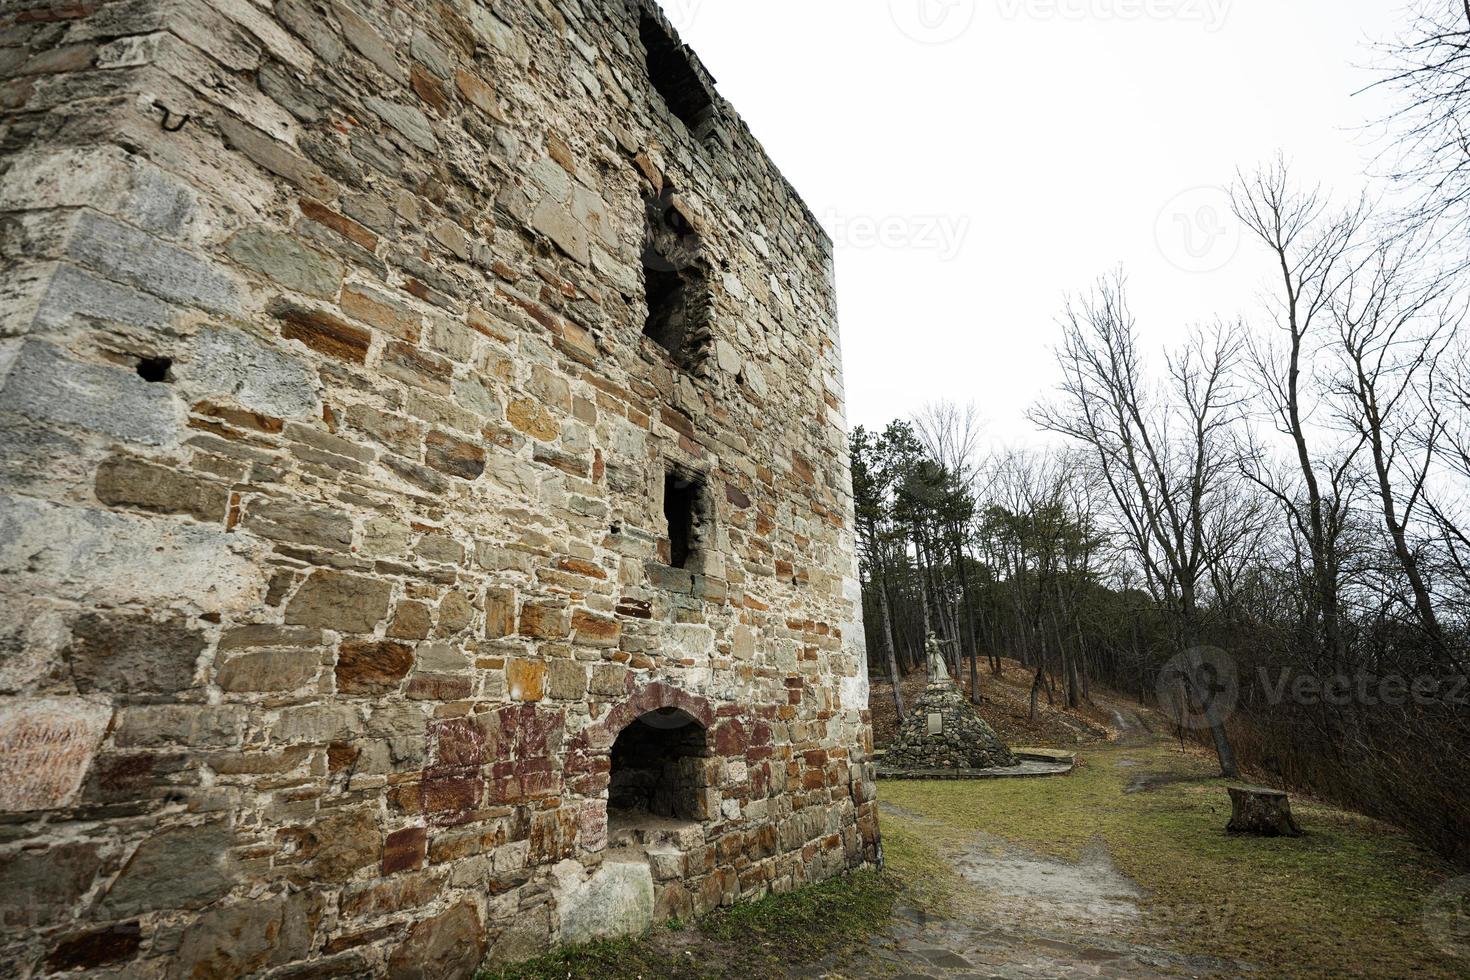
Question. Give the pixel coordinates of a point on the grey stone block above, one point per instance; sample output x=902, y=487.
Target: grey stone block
x=136, y=258
x=199, y=726
x=432, y=54
x=159, y=202
x=412, y=124
x=263, y=378
x=75, y=296
x=133, y=655
x=299, y=523
x=44, y=384
x=312, y=28
x=155, y=878
x=284, y=260
x=618, y=900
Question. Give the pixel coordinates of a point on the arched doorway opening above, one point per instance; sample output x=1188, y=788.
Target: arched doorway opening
x=659, y=778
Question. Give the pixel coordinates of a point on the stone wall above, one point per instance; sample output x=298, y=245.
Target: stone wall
x=332, y=458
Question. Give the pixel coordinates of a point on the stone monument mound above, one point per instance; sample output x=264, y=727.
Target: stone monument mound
x=944, y=731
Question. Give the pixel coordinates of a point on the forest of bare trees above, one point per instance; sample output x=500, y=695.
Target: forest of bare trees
x=1280, y=498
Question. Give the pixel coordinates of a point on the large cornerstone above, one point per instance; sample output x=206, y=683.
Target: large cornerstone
x=425, y=525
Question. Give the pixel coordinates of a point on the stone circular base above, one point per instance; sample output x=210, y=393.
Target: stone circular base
x=1022, y=770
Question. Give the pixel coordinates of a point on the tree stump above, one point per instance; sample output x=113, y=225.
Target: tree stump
x=1261, y=811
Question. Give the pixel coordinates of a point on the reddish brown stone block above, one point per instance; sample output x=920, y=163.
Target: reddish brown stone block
x=635, y=608
x=60, y=10
x=240, y=418
x=438, y=687
x=344, y=226
x=591, y=630
x=580, y=566
x=405, y=850
x=478, y=93
x=500, y=612
x=428, y=88
x=341, y=756
x=526, y=680
x=449, y=945
x=731, y=738
x=411, y=621
x=380, y=311
x=324, y=333
x=545, y=621
x=450, y=794
x=366, y=667
x=417, y=367
x=96, y=949
x=458, y=742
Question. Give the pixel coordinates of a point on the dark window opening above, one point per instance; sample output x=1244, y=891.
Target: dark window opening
x=659, y=775
x=666, y=323
x=154, y=370
x=683, y=498
x=676, y=284
x=674, y=77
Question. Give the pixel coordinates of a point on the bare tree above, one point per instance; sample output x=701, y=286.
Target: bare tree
x=1392, y=324
x=1313, y=249
x=1166, y=457
x=1429, y=68
x=1445, y=405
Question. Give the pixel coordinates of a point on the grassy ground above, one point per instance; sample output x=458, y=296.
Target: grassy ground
x=768, y=938
x=1345, y=900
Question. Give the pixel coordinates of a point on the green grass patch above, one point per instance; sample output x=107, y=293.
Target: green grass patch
x=808, y=923
x=764, y=938
x=632, y=958
x=915, y=865
x=1344, y=900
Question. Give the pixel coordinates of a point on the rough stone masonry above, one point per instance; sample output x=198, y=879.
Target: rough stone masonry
x=415, y=419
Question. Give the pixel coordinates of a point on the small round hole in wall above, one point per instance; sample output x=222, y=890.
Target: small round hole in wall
x=154, y=370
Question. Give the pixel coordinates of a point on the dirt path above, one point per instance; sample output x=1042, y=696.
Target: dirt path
x=1036, y=917
x=1028, y=915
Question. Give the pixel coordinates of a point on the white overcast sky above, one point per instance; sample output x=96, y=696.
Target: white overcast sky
x=978, y=160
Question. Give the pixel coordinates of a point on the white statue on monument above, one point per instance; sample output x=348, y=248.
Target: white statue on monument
x=938, y=673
